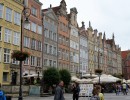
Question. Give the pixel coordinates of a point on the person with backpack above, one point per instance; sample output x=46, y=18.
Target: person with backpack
x=2, y=96
x=95, y=94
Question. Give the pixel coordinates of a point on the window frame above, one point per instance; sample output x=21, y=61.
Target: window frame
x=7, y=36
x=8, y=14
x=32, y=60
x=6, y=56
x=17, y=18
x=1, y=10
x=26, y=42
x=16, y=38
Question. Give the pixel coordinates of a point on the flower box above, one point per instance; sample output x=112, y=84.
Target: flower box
x=20, y=55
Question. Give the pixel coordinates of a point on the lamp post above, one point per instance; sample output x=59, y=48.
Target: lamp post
x=24, y=15
x=99, y=71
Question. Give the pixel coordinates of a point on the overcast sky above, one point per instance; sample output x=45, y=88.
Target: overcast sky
x=111, y=16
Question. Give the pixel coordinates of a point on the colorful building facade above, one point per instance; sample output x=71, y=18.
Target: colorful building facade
x=50, y=56
x=63, y=36
x=74, y=41
x=33, y=39
x=10, y=33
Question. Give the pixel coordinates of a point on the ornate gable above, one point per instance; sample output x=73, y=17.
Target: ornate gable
x=63, y=9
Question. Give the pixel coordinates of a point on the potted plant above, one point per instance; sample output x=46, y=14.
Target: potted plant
x=20, y=55
x=98, y=71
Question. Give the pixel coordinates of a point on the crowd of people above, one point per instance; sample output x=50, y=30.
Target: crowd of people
x=121, y=88
x=97, y=93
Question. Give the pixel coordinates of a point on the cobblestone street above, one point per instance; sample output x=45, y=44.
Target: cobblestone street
x=69, y=97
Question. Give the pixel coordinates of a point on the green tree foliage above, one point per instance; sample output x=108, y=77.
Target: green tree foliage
x=51, y=76
x=65, y=76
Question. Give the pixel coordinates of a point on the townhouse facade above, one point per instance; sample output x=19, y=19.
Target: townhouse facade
x=74, y=41
x=50, y=21
x=10, y=33
x=114, y=57
x=90, y=48
x=63, y=36
x=83, y=47
x=33, y=39
x=53, y=39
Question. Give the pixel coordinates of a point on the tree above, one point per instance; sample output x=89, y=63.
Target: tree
x=51, y=76
x=65, y=76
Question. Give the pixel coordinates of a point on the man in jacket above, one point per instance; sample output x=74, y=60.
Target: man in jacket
x=59, y=95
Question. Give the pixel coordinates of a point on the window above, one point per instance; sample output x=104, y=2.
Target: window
x=17, y=18
x=16, y=38
x=46, y=33
x=26, y=62
x=54, y=50
x=34, y=11
x=5, y=76
x=26, y=42
x=54, y=63
x=6, y=55
x=0, y=54
x=50, y=63
x=50, y=49
x=7, y=37
x=50, y=34
x=39, y=45
x=38, y=61
x=1, y=11
x=45, y=47
x=39, y=30
x=45, y=62
x=33, y=27
x=33, y=61
x=0, y=33
x=54, y=37
x=9, y=14
x=14, y=61
x=33, y=45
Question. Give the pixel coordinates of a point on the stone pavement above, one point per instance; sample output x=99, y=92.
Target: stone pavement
x=108, y=96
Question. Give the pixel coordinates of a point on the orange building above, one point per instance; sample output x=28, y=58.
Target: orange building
x=63, y=36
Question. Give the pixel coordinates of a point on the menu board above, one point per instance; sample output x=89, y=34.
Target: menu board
x=85, y=89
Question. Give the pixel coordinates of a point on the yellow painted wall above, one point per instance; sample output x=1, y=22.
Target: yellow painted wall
x=15, y=6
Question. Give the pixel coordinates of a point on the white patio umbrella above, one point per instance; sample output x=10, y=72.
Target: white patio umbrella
x=89, y=75
x=106, y=78
x=74, y=78
x=85, y=80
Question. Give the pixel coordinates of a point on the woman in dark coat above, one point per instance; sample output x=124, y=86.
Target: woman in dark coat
x=76, y=90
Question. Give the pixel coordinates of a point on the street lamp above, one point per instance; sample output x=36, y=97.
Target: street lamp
x=98, y=71
x=24, y=15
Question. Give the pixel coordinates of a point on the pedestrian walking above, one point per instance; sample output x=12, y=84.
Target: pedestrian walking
x=117, y=90
x=124, y=87
x=101, y=96
x=59, y=94
x=76, y=90
x=95, y=94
